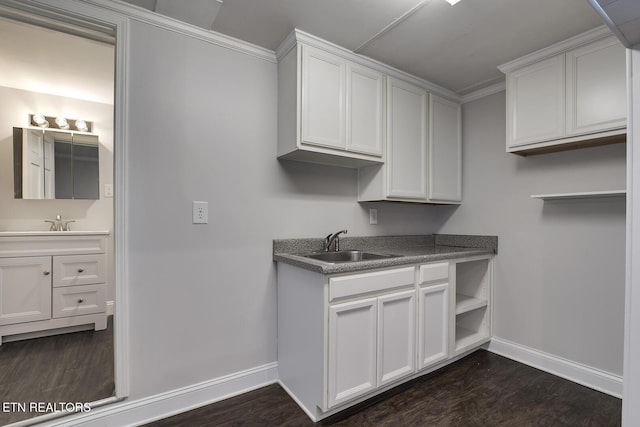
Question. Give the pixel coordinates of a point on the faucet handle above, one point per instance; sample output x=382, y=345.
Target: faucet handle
x=66, y=226
x=53, y=225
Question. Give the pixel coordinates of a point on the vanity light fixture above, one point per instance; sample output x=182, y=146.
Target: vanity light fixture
x=452, y=2
x=40, y=120
x=81, y=125
x=62, y=123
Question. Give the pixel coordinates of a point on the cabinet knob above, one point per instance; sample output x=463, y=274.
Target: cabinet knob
x=80, y=300
x=46, y=273
x=80, y=270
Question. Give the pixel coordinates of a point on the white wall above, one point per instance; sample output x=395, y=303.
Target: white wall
x=202, y=126
x=24, y=215
x=560, y=267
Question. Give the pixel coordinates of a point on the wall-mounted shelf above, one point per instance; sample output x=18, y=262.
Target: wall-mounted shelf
x=581, y=195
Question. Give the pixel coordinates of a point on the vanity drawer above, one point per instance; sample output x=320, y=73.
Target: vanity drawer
x=434, y=272
x=73, y=270
x=78, y=300
x=375, y=281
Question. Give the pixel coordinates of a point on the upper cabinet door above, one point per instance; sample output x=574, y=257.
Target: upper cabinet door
x=445, y=150
x=535, y=102
x=406, y=140
x=596, y=87
x=364, y=110
x=323, y=98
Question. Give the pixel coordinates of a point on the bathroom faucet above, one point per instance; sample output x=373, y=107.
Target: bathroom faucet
x=331, y=238
x=58, y=225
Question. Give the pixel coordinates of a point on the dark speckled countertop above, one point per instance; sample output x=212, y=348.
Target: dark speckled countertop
x=412, y=250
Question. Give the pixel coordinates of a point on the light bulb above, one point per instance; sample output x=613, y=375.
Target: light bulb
x=62, y=123
x=40, y=120
x=81, y=125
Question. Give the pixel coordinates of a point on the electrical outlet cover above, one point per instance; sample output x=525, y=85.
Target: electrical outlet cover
x=200, y=212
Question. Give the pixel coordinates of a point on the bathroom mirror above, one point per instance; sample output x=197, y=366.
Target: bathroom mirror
x=55, y=165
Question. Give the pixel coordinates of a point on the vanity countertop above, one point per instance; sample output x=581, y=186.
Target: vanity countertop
x=53, y=233
x=411, y=250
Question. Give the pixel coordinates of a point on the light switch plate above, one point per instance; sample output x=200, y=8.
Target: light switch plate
x=200, y=212
x=373, y=216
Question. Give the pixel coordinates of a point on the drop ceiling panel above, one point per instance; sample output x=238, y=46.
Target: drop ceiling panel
x=459, y=46
x=348, y=23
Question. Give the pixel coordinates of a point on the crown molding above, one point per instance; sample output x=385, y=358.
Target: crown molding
x=485, y=91
x=143, y=15
x=298, y=36
x=558, y=48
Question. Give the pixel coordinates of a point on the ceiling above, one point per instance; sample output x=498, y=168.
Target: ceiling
x=622, y=16
x=458, y=47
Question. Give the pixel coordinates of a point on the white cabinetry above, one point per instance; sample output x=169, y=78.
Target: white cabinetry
x=352, y=349
x=25, y=288
x=344, y=338
x=423, y=149
x=329, y=109
x=596, y=87
x=433, y=314
x=570, y=95
x=445, y=150
x=472, y=317
x=371, y=341
x=51, y=283
x=396, y=336
x=535, y=102
x=371, y=344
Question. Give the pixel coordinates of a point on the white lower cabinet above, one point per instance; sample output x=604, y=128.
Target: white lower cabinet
x=352, y=349
x=51, y=283
x=344, y=338
x=396, y=336
x=433, y=325
x=25, y=289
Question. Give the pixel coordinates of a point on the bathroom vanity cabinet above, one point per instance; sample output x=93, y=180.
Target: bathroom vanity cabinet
x=51, y=282
x=343, y=338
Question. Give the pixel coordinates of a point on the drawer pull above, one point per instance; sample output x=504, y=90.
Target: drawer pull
x=80, y=300
x=46, y=273
x=80, y=270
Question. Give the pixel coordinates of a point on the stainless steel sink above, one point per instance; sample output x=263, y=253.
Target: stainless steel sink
x=347, y=256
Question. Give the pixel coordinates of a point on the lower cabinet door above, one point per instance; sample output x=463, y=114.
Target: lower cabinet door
x=433, y=326
x=352, y=350
x=25, y=289
x=396, y=336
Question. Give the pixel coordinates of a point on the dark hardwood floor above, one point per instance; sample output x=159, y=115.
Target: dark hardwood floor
x=74, y=367
x=483, y=389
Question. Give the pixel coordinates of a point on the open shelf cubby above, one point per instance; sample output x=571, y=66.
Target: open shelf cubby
x=472, y=303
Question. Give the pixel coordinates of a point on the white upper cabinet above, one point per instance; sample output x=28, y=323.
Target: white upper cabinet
x=424, y=149
x=570, y=95
x=330, y=109
x=445, y=150
x=596, y=87
x=406, y=140
x=364, y=110
x=333, y=108
x=323, y=99
x=535, y=102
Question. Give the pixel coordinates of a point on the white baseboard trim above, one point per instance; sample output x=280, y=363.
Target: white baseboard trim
x=110, y=306
x=149, y=409
x=582, y=374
